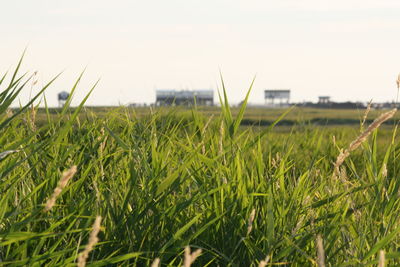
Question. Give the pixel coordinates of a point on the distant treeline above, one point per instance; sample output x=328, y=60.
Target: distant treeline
x=346, y=105
x=314, y=121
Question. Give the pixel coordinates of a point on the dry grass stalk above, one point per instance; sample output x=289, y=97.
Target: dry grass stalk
x=339, y=160
x=361, y=138
x=276, y=160
x=366, y=113
x=102, y=138
x=203, y=148
x=374, y=125
x=207, y=124
x=93, y=239
x=384, y=171
x=67, y=175
x=7, y=152
x=251, y=220
x=190, y=257
x=264, y=263
x=398, y=89
x=156, y=262
x=342, y=175
x=9, y=113
x=398, y=82
x=320, y=252
x=32, y=118
x=381, y=258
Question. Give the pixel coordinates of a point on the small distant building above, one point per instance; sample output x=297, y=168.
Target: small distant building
x=277, y=97
x=62, y=98
x=324, y=99
x=184, y=97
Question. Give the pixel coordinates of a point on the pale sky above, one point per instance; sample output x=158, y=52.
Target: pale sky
x=348, y=49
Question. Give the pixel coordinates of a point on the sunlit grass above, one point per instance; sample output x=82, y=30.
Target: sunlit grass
x=165, y=181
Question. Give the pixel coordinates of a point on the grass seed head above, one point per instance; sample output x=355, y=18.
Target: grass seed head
x=366, y=113
x=320, y=251
x=264, y=262
x=250, y=221
x=93, y=240
x=67, y=175
x=32, y=118
x=381, y=259
x=156, y=262
x=9, y=113
x=374, y=125
x=398, y=82
x=362, y=138
x=384, y=170
x=190, y=257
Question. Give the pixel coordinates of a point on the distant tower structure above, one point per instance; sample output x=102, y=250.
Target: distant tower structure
x=62, y=98
x=324, y=100
x=282, y=95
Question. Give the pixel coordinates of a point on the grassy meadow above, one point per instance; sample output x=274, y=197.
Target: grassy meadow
x=148, y=184
x=254, y=116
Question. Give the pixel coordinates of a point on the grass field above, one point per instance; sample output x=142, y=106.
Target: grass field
x=146, y=186
x=253, y=116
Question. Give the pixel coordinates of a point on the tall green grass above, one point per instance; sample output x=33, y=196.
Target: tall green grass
x=165, y=181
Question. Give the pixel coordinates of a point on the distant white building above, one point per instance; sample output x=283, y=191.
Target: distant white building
x=184, y=97
x=277, y=97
